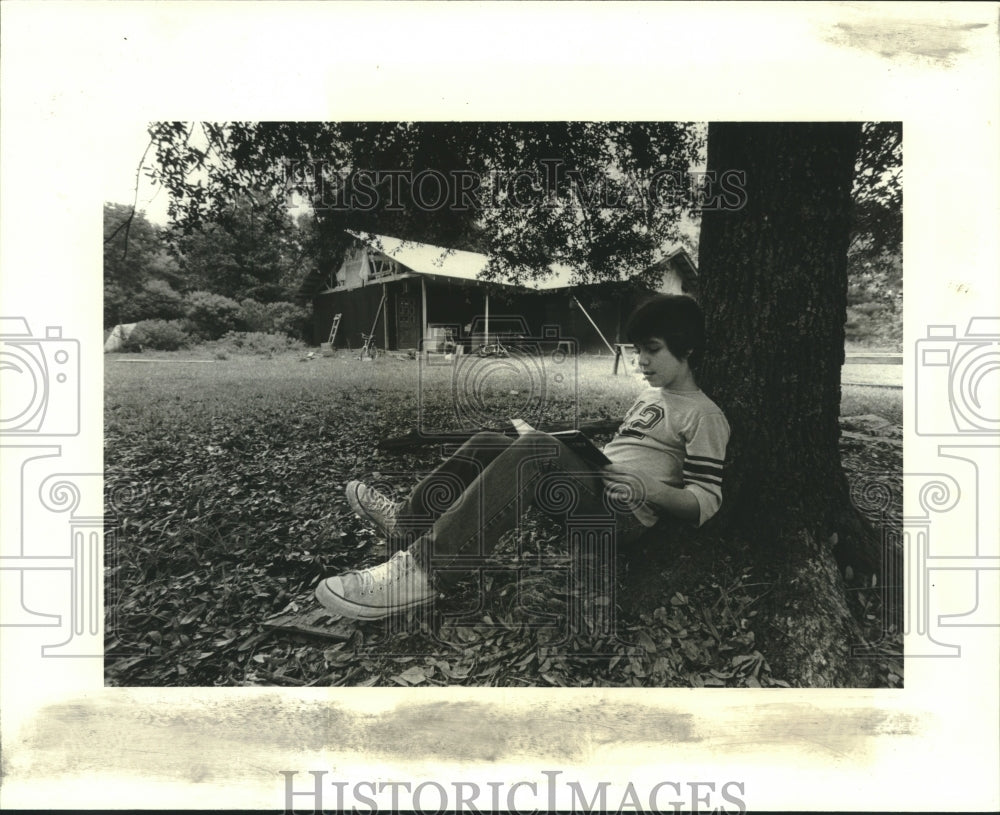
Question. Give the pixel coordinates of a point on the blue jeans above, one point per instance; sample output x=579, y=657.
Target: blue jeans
x=459, y=512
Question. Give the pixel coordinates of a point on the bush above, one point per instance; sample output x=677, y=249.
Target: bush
x=257, y=342
x=287, y=318
x=875, y=325
x=253, y=317
x=156, y=300
x=272, y=318
x=159, y=301
x=211, y=315
x=157, y=335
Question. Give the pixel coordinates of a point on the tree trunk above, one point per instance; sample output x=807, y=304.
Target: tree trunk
x=773, y=278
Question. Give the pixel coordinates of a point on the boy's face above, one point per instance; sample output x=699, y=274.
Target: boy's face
x=659, y=367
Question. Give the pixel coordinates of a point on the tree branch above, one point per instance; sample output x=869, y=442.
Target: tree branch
x=127, y=223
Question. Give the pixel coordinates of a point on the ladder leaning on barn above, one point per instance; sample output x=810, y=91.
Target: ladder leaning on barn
x=334, y=327
x=327, y=348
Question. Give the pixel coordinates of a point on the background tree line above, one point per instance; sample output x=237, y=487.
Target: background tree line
x=240, y=272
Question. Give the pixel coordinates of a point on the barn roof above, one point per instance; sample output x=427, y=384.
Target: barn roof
x=425, y=258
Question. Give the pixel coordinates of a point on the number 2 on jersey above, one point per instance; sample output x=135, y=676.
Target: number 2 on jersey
x=641, y=420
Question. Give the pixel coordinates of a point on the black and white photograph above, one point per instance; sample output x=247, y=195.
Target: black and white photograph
x=338, y=375
x=499, y=407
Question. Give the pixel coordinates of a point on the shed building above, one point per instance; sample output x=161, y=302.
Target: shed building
x=421, y=292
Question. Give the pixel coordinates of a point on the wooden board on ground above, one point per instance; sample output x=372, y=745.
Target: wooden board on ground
x=416, y=439
x=314, y=621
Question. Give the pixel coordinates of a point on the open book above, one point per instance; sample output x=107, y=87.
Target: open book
x=573, y=439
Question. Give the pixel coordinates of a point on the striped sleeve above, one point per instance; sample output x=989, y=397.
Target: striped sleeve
x=704, y=456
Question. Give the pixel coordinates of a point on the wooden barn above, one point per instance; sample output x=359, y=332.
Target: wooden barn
x=423, y=292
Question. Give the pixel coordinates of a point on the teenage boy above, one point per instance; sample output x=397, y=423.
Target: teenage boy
x=666, y=462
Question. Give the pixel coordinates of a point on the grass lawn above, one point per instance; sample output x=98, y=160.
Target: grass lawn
x=226, y=480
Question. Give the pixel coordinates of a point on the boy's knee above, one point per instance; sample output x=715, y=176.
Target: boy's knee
x=490, y=437
x=487, y=440
x=534, y=437
x=540, y=448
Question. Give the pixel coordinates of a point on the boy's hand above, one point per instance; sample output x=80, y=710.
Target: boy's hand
x=663, y=498
x=623, y=485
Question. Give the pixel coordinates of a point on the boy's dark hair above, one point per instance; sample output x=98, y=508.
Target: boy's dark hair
x=674, y=318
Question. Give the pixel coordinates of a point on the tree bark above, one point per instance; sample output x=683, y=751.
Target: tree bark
x=773, y=277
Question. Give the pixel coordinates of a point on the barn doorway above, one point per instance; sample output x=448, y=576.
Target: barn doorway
x=407, y=332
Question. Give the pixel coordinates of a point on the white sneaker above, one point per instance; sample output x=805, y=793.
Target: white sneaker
x=373, y=506
x=399, y=584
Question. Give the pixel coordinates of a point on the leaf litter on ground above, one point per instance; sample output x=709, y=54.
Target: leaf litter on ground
x=228, y=507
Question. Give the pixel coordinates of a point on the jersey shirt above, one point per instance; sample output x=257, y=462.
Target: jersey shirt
x=677, y=438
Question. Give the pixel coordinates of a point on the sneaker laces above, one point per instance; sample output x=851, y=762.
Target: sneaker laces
x=393, y=570
x=379, y=503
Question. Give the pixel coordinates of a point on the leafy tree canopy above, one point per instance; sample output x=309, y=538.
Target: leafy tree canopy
x=875, y=255
x=600, y=197
x=252, y=248
x=604, y=198
x=134, y=251
x=878, y=188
